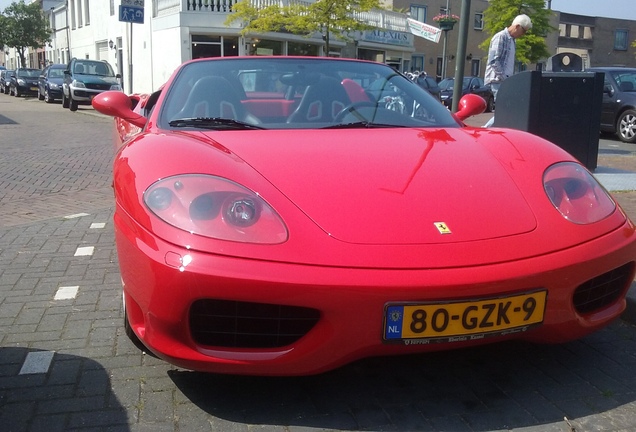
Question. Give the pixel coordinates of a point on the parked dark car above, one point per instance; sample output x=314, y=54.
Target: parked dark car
x=471, y=84
x=618, y=110
x=5, y=78
x=50, y=83
x=84, y=79
x=24, y=82
x=430, y=85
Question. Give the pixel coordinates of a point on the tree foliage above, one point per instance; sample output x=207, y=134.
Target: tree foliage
x=24, y=26
x=327, y=17
x=531, y=47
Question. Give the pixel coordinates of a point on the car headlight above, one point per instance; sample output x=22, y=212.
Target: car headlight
x=78, y=84
x=53, y=85
x=21, y=82
x=215, y=207
x=115, y=87
x=576, y=194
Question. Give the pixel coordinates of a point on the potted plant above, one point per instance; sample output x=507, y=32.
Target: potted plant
x=446, y=21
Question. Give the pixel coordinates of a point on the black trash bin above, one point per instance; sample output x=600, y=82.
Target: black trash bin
x=562, y=107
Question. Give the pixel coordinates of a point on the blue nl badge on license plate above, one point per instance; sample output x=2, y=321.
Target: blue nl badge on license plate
x=394, y=317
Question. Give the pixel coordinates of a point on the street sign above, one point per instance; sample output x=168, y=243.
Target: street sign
x=131, y=14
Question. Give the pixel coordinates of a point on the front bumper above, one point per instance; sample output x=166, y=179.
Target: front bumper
x=55, y=93
x=84, y=94
x=160, y=292
x=27, y=89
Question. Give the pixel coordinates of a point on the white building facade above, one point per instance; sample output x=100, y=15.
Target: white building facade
x=173, y=31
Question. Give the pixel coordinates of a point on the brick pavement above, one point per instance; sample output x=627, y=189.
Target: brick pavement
x=93, y=378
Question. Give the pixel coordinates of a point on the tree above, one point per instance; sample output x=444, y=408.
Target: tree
x=24, y=26
x=3, y=31
x=531, y=48
x=324, y=16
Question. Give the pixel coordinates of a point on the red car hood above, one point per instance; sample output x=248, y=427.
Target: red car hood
x=388, y=186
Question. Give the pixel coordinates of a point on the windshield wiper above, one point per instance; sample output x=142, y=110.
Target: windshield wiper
x=362, y=124
x=212, y=123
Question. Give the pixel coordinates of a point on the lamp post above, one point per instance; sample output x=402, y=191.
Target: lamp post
x=446, y=22
x=445, y=27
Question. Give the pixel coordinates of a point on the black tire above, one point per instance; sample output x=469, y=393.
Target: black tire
x=40, y=95
x=64, y=101
x=16, y=92
x=73, y=104
x=47, y=97
x=626, y=126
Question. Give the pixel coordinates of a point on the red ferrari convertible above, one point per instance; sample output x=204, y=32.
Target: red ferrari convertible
x=287, y=215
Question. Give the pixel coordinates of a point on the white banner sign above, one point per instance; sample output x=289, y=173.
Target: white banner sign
x=423, y=30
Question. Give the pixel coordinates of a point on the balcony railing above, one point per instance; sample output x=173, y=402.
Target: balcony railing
x=386, y=20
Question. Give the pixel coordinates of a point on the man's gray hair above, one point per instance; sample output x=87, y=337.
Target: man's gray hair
x=524, y=21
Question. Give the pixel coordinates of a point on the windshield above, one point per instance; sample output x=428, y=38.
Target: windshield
x=87, y=67
x=56, y=73
x=29, y=73
x=297, y=93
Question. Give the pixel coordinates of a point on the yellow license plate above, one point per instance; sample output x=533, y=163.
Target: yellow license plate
x=425, y=323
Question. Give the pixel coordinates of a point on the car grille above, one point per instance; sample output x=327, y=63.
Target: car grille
x=235, y=324
x=98, y=86
x=603, y=290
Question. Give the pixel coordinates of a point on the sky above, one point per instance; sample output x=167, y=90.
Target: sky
x=625, y=9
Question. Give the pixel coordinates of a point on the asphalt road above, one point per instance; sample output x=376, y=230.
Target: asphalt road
x=65, y=363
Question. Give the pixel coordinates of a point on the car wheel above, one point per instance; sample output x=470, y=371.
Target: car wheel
x=64, y=101
x=16, y=92
x=40, y=95
x=73, y=104
x=626, y=126
x=47, y=97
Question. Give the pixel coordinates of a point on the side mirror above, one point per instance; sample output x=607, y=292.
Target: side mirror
x=470, y=105
x=118, y=104
x=608, y=89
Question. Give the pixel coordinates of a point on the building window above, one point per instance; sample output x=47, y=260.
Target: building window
x=266, y=47
x=80, y=16
x=475, y=67
x=302, y=49
x=620, y=40
x=73, y=26
x=418, y=13
x=417, y=63
x=479, y=21
x=112, y=7
x=87, y=14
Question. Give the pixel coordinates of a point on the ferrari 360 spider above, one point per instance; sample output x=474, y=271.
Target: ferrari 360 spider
x=288, y=215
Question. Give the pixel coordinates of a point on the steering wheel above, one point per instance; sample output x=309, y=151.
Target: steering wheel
x=354, y=110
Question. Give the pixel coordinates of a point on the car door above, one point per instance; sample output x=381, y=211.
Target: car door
x=610, y=102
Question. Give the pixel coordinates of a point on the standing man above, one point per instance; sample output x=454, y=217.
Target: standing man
x=501, y=54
